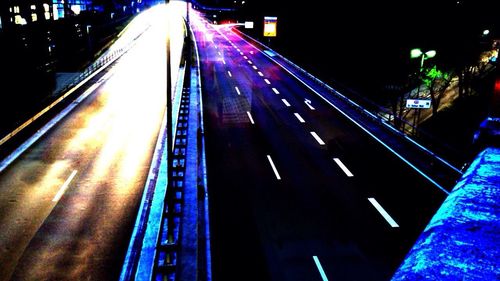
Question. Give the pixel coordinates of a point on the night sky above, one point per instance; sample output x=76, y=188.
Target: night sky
x=366, y=44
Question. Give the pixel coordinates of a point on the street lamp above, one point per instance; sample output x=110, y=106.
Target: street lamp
x=415, y=53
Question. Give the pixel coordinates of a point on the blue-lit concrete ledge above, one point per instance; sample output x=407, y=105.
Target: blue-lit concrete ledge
x=462, y=240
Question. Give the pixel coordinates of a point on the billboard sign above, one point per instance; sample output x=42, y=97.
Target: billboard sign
x=270, y=26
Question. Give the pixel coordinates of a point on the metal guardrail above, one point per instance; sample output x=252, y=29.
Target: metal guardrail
x=157, y=244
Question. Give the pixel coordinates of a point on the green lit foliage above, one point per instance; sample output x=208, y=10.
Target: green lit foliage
x=433, y=74
x=437, y=82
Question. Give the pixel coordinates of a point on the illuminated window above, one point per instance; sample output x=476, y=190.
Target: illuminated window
x=46, y=7
x=76, y=9
x=33, y=7
x=34, y=17
x=47, y=15
x=19, y=20
x=16, y=9
x=58, y=10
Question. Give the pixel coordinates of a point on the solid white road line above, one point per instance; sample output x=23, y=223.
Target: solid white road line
x=250, y=117
x=276, y=91
x=64, y=187
x=343, y=167
x=301, y=120
x=267, y=81
x=318, y=139
x=274, y=167
x=237, y=90
x=320, y=268
x=286, y=102
x=381, y=210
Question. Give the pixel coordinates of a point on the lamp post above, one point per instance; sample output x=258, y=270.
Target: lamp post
x=417, y=53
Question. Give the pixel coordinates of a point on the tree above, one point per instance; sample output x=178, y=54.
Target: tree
x=437, y=82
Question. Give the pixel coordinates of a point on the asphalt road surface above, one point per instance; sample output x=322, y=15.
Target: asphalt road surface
x=70, y=200
x=297, y=191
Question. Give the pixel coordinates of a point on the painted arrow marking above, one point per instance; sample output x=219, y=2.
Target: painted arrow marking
x=308, y=103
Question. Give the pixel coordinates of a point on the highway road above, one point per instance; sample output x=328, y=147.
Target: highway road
x=297, y=191
x=70, y=200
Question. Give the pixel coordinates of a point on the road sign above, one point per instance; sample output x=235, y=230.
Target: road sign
x=416, y=103
x=270, y=26
x=249, y=24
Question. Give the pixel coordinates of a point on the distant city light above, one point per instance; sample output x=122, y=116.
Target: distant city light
x=19, y=20
x=76, y=9
x=55, y=12
x=486, y=32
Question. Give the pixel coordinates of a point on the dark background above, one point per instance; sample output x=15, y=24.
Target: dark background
x=362, y=48
x=366, y=44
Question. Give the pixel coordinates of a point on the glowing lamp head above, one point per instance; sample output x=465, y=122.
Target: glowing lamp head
x=430, y=54
x=415, y=53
